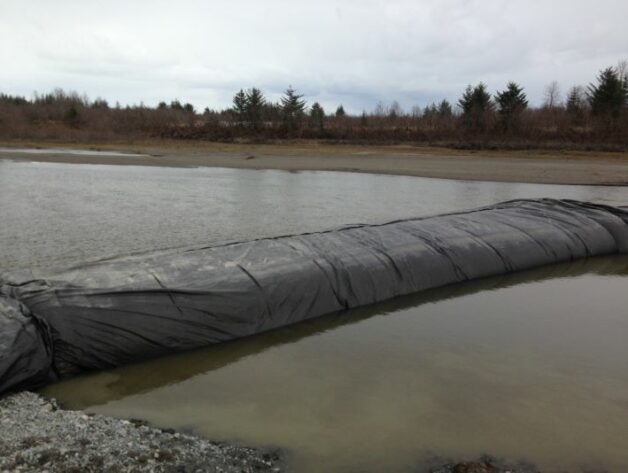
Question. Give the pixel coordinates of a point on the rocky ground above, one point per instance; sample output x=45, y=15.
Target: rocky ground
x=36, y=435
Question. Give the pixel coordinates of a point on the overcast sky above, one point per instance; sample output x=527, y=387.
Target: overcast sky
x=351, y=52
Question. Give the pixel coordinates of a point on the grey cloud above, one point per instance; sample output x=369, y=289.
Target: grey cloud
x=351, y=52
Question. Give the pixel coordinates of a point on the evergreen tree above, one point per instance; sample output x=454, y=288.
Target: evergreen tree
x=254, y=107
x=576, y=104
x=248, y=107
x=239, y=107
x=292, y=108
x=14, y=100
x=475, y=98
x=610, y=96
x=511, y=102
x=317, y=116
x=476, y=105
x=340, y=111
x=445, y=110
x=101, y=104
x=430, y=112
x=72, y=116
x=364, y=119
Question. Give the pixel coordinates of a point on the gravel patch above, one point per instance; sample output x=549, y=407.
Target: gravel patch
x=39, y=436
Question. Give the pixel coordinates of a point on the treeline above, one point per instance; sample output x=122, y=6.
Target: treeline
x=591, y=117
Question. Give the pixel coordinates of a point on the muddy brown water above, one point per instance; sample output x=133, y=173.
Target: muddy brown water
x=530, y=366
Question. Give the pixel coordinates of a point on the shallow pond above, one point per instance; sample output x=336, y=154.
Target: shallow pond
x=529, y=366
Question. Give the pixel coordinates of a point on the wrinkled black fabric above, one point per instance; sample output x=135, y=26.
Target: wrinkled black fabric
x=118, y=311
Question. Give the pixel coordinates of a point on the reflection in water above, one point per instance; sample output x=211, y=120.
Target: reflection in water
x=530, y=365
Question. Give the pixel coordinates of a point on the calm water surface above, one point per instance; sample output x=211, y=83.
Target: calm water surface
x=530, y=366
x=63, y=214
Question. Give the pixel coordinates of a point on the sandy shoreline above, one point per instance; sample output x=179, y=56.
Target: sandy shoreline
x=549, y=167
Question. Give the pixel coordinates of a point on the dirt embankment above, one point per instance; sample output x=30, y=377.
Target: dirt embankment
x=564, y=167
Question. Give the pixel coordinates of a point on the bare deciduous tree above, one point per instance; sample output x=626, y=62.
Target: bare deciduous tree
x=552, y=95
x=395, y=110
x=380, y=109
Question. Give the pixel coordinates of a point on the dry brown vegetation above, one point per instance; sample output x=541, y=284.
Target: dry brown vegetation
x=68, y=117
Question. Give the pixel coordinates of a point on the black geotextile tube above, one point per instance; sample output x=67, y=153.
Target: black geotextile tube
x=113, y=312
